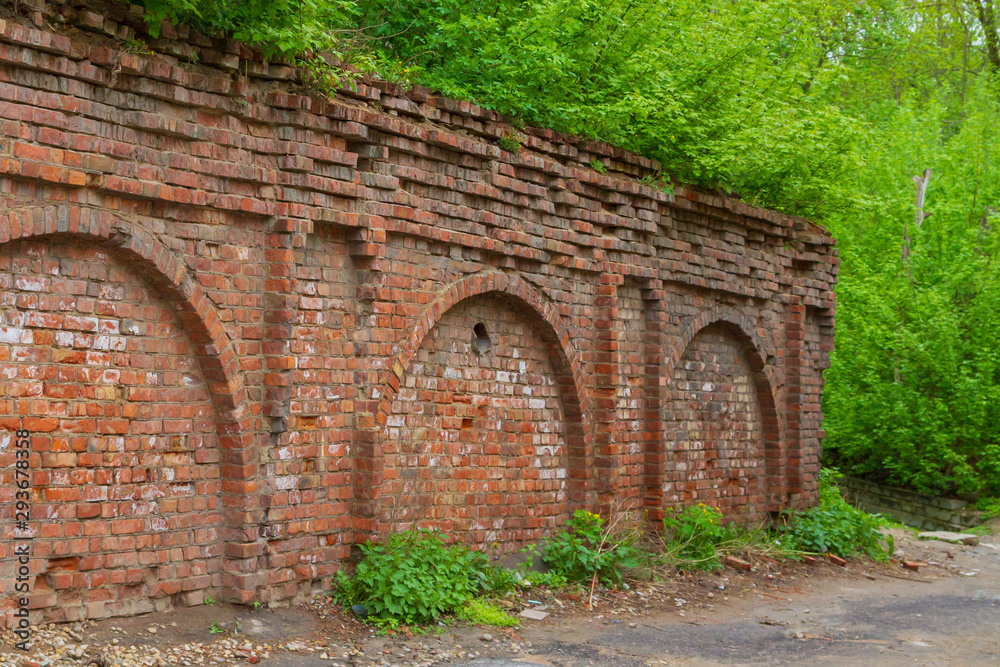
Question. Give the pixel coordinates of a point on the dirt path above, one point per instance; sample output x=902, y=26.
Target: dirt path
x=836, y=617
x=947, y=613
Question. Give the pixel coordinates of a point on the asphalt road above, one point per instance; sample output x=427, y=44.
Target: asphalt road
x=941, y=620
x=932, y=619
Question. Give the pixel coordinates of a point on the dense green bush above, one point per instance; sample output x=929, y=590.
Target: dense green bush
x=989, y=506
x=694, y=534
x=835, y=527
x=587, y=547
x=689, y=83
x=413, y=577
x=913, y=393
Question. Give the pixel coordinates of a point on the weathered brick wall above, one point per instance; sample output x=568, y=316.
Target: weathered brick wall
x=240, y=324
x=127, y=482
x=715, y=427
x=476, y=443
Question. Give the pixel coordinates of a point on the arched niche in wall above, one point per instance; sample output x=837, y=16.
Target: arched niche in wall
x=481, y=426
x=118, y=365
x=721, y=430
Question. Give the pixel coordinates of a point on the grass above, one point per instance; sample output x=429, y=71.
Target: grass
x=747, y=542
x=485, y=612
x=982, y=530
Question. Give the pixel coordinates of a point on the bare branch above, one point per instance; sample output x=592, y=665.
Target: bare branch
x=921, y=183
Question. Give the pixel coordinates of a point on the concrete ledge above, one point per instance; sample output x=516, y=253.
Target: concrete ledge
x=913, y=509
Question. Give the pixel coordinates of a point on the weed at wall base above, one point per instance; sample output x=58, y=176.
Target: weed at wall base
x=835, y=527
x=414, y=577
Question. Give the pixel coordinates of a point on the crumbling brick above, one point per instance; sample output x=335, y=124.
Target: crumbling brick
x=249, y=329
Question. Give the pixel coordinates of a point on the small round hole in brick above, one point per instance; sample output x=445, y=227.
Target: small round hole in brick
x=481, y=342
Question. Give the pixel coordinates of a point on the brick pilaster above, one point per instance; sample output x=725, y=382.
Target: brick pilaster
x=374, y=303
x=243, y=566
x=606, y=378
x=280, y=306
x=655, y=446
x=794, y=361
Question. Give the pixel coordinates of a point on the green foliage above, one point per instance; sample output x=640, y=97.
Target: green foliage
x=694, y=535
x=483, y=612
x=587, y=547
x=510, y=142
x=835, y=527
x=715, y=91
x=552, y=579
x=597, y=165
x=913, y=391
x=989, y=506
x=345, y=590
x=134, y=46
x=498, y=579
x=695, y=538
x=728, y=94
x=319, y=76
x=413, y=577
x=658, y=180
x=278, y=27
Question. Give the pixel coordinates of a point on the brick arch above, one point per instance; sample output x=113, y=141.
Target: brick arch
x=757, y=350
x=758, y=347
x=562, y=355
x=219, y=363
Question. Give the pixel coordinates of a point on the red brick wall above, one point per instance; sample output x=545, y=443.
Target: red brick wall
x=476, y=442
x=634, y=388
x=714, y=428
x=295, y=282
x=99, y=370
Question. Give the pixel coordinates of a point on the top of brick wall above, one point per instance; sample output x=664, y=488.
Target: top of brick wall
x=90, y=33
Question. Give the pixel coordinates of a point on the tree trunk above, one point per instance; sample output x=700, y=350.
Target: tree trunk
x=988, y=21
x=921, y=184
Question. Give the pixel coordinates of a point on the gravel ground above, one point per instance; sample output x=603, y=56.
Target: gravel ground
x=948, y=612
